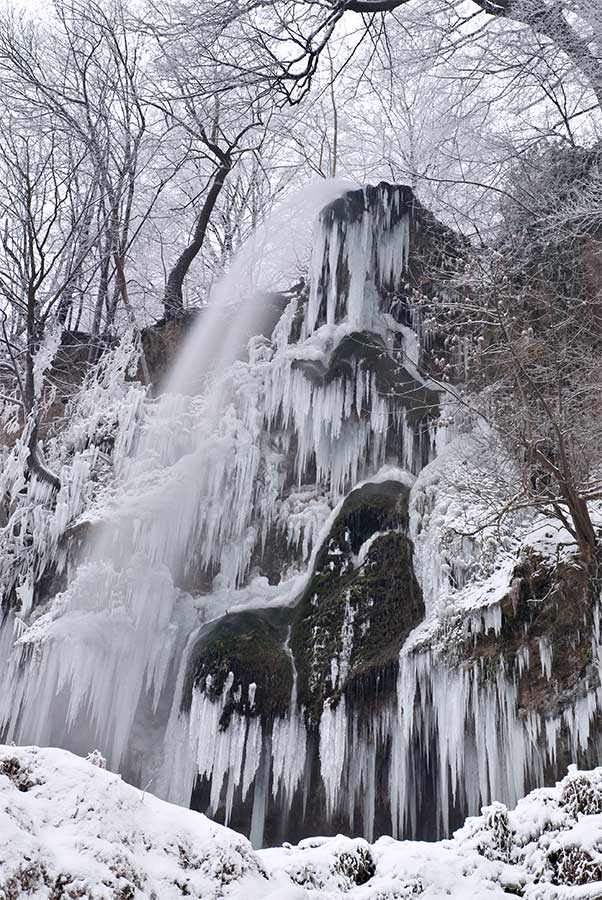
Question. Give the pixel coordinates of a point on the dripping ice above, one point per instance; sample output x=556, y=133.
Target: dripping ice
x=203, y=481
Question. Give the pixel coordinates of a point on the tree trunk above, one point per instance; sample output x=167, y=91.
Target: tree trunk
x=34, y=462
x=173, y=300
x=584, y=529
x=122, y=287
x=103, y=287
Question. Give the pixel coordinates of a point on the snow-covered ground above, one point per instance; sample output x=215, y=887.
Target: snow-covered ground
x=71, y=829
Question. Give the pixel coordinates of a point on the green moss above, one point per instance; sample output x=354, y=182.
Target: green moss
x=371, y=508
x=251, y=646
x=358, y=617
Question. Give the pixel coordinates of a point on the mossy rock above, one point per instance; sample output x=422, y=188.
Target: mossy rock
x=354, y=617
x=163, y=341
x=251, y=645
x=350, y=206
x=355, y=612
x=553, y=604
x=370, y=508
x=273, y=556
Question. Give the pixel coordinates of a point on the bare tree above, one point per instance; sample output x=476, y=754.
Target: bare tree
x=220, y=120
x=86, y=73
x=225, y=152
x=290, y=38
x=45, y=246
x=519, y=341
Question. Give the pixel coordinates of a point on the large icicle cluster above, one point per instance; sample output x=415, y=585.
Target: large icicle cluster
x=248, y=753
x=198, y=484
x=455, y=733
x=454, y=727
x=106, y=411
x=363, y=234
x=181, y=495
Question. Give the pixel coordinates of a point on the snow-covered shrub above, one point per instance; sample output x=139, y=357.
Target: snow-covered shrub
x=19, y=774
x=499, y=845
x=581, y=795
x=97, y=759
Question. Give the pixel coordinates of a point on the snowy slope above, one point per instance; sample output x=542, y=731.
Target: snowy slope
x=70, y=829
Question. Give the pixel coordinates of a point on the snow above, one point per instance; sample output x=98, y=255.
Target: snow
x=69, y=828
x=463, y=559
x=77, y=830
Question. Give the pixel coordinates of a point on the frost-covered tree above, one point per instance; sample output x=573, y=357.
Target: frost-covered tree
x=570, y=26
x=520, y=341
x=219, y=120
x=83, y=68
x=44, y=261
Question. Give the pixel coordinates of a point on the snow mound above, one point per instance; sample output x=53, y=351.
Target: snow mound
x=71, y=829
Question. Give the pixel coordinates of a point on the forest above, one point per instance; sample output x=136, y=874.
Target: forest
x=301, y=449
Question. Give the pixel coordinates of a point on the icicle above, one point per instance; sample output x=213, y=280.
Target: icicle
x=289, y=742
x=363, y=236
x=545, y=657
x=333, y=744
x=200, y=476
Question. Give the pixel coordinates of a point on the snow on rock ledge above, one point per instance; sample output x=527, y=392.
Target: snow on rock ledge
x=69, y=829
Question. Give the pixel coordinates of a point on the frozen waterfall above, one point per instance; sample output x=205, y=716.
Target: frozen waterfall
x=284, y=404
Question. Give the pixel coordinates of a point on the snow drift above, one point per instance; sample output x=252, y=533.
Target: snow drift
x=71, y=829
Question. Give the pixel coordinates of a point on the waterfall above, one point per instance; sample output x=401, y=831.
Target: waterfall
x=200, y=488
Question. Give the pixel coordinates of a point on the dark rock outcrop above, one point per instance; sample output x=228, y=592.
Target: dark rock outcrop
x=356, y=614
x=548, y=612
x=251, y=646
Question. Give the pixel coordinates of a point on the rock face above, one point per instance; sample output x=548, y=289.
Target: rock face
x=547, y=620
x=246, y=651
x=362, y=600
x=377, y=734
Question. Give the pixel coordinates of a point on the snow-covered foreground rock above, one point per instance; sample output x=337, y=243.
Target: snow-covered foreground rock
x=70, y=829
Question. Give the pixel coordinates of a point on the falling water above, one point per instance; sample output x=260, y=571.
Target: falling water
x=272, y=260
x=103, y=653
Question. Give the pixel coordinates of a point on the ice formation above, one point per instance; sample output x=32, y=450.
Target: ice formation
x=363, y=233
x=454, y=727
x=179, y=493
x=455, y=730
x=198, y=486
